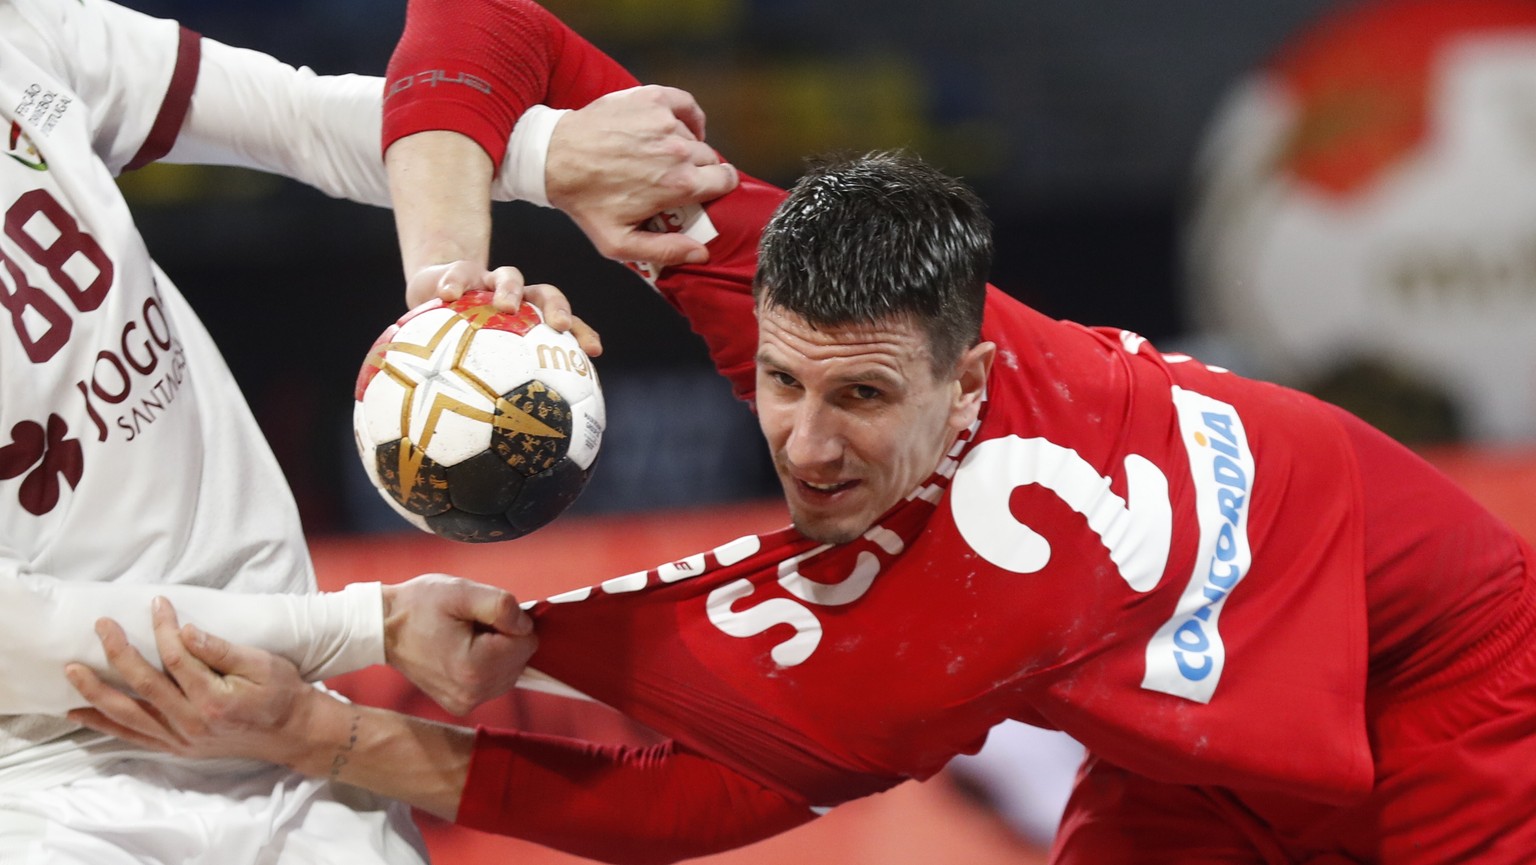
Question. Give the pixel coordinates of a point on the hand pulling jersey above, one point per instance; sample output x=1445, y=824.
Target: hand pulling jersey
x=1198, y=576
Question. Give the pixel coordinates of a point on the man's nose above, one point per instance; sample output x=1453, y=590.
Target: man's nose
x=814, y=436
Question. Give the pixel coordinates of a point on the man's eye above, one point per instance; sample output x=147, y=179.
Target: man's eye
x=864, y=392
x=783, y=379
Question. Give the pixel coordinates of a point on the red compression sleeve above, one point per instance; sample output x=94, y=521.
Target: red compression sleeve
x=616, y=804
x=474, y=66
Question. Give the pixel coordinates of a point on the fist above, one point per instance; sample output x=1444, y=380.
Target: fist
x=459, y=641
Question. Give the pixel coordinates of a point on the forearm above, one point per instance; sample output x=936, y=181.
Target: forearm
x=440, y=183
x=455, y=87
x=47, y=623
x=617, y=804
x=419, y=762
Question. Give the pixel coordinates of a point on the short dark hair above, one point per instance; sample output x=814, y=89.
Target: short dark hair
x=880, y=236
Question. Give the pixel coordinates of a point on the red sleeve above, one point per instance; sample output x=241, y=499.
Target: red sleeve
x=474, y=66
x=617, y=804
x=716, y=297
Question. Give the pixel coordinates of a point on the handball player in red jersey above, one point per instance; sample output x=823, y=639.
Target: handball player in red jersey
x=1281, y=636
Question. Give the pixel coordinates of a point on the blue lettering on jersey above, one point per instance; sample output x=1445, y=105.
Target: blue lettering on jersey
x=1186, y=656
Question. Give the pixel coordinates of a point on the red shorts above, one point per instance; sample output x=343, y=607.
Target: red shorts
x=1455, y=783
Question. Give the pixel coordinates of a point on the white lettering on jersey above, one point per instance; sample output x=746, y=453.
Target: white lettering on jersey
x=799, y=614
x=1137, y=532
x=754, y=620
x=1186, y=656
x=865, y=568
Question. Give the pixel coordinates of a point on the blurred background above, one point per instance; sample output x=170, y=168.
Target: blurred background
x=1338, y=196
x=1079, y=123
x=1335, y=195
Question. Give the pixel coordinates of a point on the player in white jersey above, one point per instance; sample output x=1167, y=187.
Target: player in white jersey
x=130, y=465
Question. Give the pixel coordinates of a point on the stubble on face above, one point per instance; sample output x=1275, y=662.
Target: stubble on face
x=853, y=417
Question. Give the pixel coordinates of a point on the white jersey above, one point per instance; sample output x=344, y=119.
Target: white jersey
x=127, y=453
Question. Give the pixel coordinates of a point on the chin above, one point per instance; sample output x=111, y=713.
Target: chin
x=825, y=531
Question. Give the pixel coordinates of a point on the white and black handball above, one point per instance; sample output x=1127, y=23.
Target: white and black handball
x=477, y=425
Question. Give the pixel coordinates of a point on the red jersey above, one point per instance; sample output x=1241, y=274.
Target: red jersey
x=1195, y=574
x=1105, y=553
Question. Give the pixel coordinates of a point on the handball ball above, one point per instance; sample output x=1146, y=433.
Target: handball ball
x=474, y=424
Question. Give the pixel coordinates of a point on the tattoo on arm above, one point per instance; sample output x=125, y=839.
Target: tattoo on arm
x=340, y=760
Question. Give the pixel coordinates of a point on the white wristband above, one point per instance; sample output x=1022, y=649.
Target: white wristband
x=527, y=151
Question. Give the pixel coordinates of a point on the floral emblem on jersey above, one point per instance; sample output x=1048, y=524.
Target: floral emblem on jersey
x=19, y=147
x=51, y=452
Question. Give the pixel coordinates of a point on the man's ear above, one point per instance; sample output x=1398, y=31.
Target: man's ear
x=971, y=373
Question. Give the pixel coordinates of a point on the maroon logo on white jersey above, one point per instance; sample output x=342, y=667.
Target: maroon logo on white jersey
x=54, y=456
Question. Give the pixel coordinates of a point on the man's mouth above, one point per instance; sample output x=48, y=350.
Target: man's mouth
x=824, y=489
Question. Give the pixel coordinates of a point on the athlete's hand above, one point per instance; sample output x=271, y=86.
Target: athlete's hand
x=628, y=156
x=448, y=282
x=215, y=699
x=459, y=641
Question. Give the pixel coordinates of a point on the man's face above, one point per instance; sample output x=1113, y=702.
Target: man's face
x=854, y=417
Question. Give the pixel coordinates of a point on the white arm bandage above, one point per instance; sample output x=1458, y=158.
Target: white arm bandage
x=47, y=623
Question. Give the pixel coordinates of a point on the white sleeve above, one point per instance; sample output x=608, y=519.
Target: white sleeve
x=251, y=110
x=47, y=623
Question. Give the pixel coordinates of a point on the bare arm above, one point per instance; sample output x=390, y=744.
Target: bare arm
x=440, y=183
x=630, y=151
x=489, y=61
x=419, y=762
x=612, y=165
